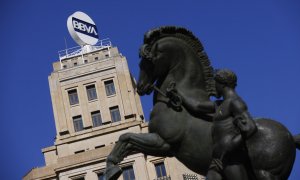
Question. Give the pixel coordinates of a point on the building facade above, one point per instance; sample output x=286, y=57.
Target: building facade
x=94, y=102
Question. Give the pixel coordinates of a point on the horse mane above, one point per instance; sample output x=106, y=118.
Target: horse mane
x=186, y=35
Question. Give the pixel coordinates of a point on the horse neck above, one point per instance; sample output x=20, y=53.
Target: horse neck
x=188, y=76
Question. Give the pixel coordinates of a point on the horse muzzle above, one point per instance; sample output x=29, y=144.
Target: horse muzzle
x=144, y=89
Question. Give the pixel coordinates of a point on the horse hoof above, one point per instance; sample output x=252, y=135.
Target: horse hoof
x=112, y=173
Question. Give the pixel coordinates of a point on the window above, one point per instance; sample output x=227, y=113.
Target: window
x=85, y=61
x=91, y=92
x=78, y=177
x=128, y=173
x=115, y=114
x=81, y=178
x=78, y=124
x=101, y=176
x=73, y=97
x=80, y=151
x=75, y=64
x=100, y=146
x=110, y=87
x=96, y=58
x=96, y=117
x=160, y=169
x=64, y=66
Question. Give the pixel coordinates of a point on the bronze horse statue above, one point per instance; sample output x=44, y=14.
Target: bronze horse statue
x=173, y=54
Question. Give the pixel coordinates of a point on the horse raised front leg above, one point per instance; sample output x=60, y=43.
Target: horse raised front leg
x=150, y=144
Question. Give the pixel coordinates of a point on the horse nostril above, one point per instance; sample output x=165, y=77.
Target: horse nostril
x=140, y=86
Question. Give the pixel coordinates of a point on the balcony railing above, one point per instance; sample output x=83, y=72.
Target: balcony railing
x=185, y=177
x=190, y=177
x=163, y=178
x=78, y=50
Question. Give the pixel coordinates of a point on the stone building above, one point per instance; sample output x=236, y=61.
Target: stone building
x=94, y=102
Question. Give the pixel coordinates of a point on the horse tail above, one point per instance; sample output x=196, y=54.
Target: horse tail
x=297, y=141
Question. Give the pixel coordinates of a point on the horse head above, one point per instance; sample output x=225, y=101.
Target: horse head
x=158, y=55
x=174, y=53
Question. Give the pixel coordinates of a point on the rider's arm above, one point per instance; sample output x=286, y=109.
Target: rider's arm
x=239, y=108
x=197, y=106
x=242, y=117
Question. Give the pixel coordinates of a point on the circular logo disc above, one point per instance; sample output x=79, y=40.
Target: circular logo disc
x=82, y=29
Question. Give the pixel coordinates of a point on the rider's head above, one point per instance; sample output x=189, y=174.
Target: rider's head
x=225, y=77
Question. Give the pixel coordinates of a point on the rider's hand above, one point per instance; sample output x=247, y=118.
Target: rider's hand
x=171, y=87
x=171, y=90
x=172, y=94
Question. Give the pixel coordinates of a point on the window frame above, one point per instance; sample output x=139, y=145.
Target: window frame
x=77, y=118
x=110, y=88
x=89, y=92
x=73, y=100
x=93, y=114
x=112, y=111
x=101, y=174
x=161, y=172
x=125, y=170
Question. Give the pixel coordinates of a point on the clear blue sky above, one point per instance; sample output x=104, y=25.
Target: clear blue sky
x=259, y=40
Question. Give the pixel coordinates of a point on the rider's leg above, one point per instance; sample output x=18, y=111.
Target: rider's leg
x=150, y=144
x=213, y=175
x=215, y=170
x=236, y=141
x=235, y=172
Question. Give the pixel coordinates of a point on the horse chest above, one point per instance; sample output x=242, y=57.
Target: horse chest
x=167, y=123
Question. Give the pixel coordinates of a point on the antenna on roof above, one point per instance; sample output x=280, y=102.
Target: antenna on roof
x=66, y=45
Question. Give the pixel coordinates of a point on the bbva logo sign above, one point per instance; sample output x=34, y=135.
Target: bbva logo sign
x=85, y=27
x=82, y=29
